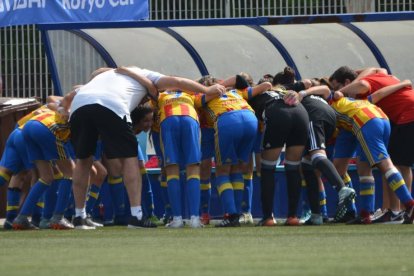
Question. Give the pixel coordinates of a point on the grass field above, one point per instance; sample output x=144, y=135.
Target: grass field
x=325, y=250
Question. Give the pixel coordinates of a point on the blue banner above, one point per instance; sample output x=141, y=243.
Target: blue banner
x=22, y=12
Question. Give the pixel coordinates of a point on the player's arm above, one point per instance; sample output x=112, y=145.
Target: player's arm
x=178, y=83
x=144, y=81
x=362, y=73
x=321, y=90
x=388, y=90
x=357, y=87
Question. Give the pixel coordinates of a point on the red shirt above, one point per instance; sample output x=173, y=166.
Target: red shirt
x=398, y=106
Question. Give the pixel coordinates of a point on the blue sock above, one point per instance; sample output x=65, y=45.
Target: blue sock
x=237, y=182
x=70, y=211
x=116, y=187
x=174, y=194
x=50, y=200
x=205, y=191
x=92, y=197
x=13, y=202
x=164, y=196
x=63, y=196
x=193, y=194
x=304, y=197
x=247, y=193
x=147, y=195
x=322, y=203
x=35, y=193
x=225, y=190
x=348, y=183
x=38, y=209
x=367, y=193
x=4, y=178
x=397, y=184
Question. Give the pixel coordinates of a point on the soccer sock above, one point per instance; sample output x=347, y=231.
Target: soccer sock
x=293, y=178
x=50, y=196
x=205, y=187
x=164, y=196
x=63, y=195
x=247, y=193
x=348, y=183
x=312, y=186
x=136, y=211
x=304, y=196
x=325, y=166
x=367, y=193
x=267, y=182
x=397, y=184
x=238, y=188
x=225, y=191
x=116, y=187
x=35, y=193
x=322, y=203
x=80, y=212
x=93, y=195
x=174, y=194
x=13, y=201
x=4, y=178
x=193, y=194
x=38, y=208
x=147, y=195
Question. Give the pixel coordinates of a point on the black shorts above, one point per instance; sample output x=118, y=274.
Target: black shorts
x=285, y=125
x=92, y=121
x=401, y=145
x=319, y=133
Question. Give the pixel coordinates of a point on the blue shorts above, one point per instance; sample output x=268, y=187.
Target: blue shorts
x=373, y=139
x=257, y=147
x=41, y=144
x=15, y=157
x=346, y=145
x=235, y=134
x=207, y=143
x=140, y=154
x=180, y=141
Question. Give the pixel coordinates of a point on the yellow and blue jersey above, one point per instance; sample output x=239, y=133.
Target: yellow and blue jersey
x=232, y=100
x=55, y=123
x=353, y=114
x=178, y=103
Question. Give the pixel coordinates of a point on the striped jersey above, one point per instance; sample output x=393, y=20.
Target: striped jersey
x=54, y=122
x=178, y=103
x=353, y=114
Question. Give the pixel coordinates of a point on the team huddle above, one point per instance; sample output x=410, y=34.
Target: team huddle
x=68, y=148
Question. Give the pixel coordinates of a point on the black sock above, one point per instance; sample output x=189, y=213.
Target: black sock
x=267, y=189
x=329, y=171
x=313, y=187
x=292, y=170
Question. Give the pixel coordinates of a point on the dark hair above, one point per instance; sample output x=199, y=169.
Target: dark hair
x=140, y=112
x=286, y=77
x=342, y=74
x=266, y=78
x=207, y=80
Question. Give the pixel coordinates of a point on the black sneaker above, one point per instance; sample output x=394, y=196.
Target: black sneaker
x=82, y=224
x=349, y=215
x=409, y=215
x=230, y=221
x=388, y=217
x=134, y=222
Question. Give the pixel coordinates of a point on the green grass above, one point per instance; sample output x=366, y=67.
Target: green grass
x=326, y=250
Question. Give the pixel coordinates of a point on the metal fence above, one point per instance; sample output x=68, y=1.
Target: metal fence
x=24, y=70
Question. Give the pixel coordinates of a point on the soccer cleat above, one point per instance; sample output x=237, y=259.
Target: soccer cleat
x=8, y=225
x=292, y=221
x=315, y=219
x=349, y=215
x=205, y=218
x=364, y=218
x=134, y=222
x=345, y=195
x=270, y=221
x=388, y=217
x=44, y=223
x=155, y=220
x=166, y=219
x=91, y=222
x=175, y=223
x=121, y=220
x=22, y=223
x=246, y=218
x=195, y=222
x=81, y=224
x=35, y=221
x=58, y=222
x=409, y=215
x=306, y=214
x=229, y=221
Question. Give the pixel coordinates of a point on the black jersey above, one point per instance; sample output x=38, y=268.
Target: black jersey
x=318, y=109
x=259, y=102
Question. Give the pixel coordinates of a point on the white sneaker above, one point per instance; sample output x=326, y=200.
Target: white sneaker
x=246, y=218
x=177, y=222
x=195, y=222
